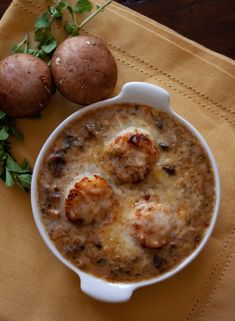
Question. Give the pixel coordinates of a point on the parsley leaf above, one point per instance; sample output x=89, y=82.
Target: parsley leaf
x=42, y=21
x=43, y=35
x=3, y=134
x=61, y=6
x=11, y=171
x=25, y=180
x=13, y=166
x=83, y=6
x=70, y=8
x=56, y=11
x=49, y=45
x=71, y=28
x=9, y=181
x=2, y=114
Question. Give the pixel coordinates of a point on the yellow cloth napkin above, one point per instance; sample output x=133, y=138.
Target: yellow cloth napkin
x=34, y=285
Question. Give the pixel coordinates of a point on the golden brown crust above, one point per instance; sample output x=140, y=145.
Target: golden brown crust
x=130, y=157
x=88, y=200
x=151, y=226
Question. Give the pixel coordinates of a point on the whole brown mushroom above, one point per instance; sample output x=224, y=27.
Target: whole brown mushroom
x=84, y=69
x=26, y=85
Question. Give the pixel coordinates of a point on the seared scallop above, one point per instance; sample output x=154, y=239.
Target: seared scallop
x=152, y=224
x=89, y=200
x=155, y=223
x=130, y=156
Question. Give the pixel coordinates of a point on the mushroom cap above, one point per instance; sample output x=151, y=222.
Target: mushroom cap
x=84, y=69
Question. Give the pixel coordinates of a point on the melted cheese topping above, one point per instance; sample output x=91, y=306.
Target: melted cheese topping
x=155, y=223
x=126, y=192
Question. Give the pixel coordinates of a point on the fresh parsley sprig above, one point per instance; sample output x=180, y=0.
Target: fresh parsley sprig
x=45, y=41
x=11, y=172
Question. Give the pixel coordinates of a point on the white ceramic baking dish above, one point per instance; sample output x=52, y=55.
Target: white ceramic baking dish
x=132, y=92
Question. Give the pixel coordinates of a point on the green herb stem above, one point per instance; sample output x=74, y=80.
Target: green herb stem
x=23, y=41
x=85, y=21
x=17, y=48
x=46, y=43
x=26, y=43
x=74, y=18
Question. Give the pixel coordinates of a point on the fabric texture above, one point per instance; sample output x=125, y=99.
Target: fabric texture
x=34, y=285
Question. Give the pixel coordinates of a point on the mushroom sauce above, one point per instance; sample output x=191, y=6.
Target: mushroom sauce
x=126, y=193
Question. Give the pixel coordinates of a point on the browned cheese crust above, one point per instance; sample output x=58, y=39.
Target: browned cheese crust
x=126, y=192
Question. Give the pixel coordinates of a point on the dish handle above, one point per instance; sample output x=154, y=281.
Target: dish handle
x=146, y=94
x=104, y=291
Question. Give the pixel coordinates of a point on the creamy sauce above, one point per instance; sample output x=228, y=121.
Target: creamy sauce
x=126, y=193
